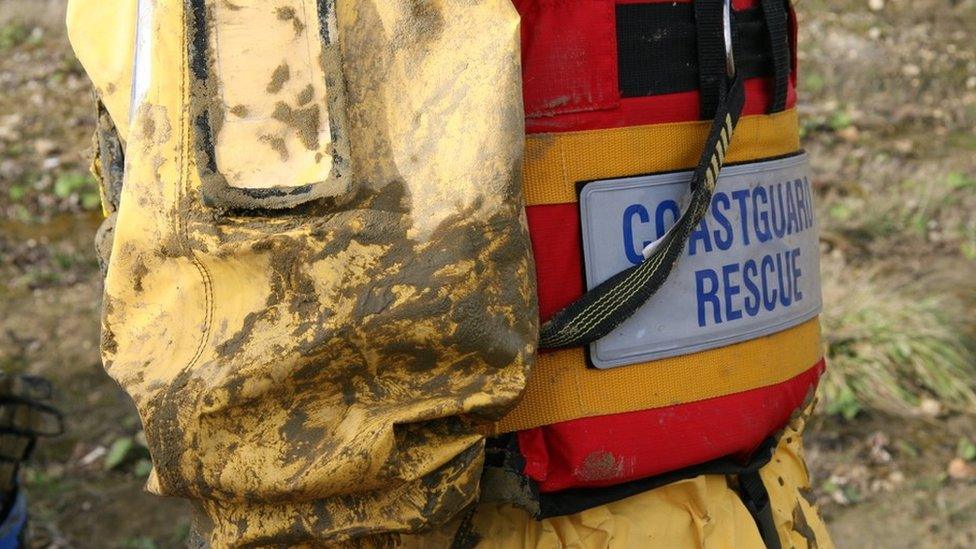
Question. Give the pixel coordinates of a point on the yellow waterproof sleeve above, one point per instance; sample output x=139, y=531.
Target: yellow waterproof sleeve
x=309, y=369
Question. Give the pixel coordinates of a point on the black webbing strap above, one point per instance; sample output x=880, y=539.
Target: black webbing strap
x=754, y=496
x=711, y=53
x=577, y=500
x=504, y=481
x=777, y=25
x=603, y=308
x=51, y=426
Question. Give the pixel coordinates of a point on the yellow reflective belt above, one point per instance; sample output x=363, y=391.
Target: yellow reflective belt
x=556, y=162
x=562, y=388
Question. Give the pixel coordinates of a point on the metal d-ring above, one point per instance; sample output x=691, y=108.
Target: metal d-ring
x=727, y=32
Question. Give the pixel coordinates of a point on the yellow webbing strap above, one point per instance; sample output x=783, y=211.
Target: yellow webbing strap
x=562, y=388
x=556, y=162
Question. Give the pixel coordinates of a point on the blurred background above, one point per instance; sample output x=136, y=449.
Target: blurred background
x=888, y=113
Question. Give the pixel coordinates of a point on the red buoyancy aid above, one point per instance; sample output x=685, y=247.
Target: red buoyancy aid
x=618, y=105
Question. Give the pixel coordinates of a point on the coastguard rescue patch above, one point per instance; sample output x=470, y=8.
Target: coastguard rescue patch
x=751, y=268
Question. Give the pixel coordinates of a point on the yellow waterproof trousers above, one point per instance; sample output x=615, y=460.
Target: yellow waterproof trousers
x=704, y=511
x=317, y=316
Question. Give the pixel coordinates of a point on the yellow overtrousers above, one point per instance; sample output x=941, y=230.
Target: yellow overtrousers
x=700, y=512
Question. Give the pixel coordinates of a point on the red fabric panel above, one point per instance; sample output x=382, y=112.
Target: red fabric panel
x=608, y=450
x=569, y=71
x=653, y=109
x=571, y=49
x=555, y=233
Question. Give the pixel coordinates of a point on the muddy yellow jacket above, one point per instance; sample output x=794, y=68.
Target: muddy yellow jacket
x=309, y=312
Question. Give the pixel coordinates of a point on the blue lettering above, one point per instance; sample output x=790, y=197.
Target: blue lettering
x=762, y=229
x=785, y=293
x=726, y=242
x=801, y=204
x=797, y=273
x=663, y=208
x=810, y=209
x=707, y=296
x=752, y=301
x=741, y=196
x=634, y=254
x=769, y=295
x=731, y=313
x=701, y=233
x=779, y=229
x=792, y=224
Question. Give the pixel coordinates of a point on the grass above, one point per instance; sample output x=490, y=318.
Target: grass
x=899, y=335
x=898, y=311
x=891, y=348
x=910, y=208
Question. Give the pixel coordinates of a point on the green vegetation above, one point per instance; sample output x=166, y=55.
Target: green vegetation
x=13, y=35
x=892, y=348
x=918, y=207
x=900, y=331
x=80, y=185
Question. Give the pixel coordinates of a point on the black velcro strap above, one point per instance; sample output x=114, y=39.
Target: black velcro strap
x=503, y=479
x=777, y=27
x=657, y=51
x=754, y=496
x=711, y=52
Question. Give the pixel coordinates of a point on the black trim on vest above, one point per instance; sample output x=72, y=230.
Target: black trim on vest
x=576, y=500
x=504, y=482
x=658, y=49
x=777, y=27
x=656, y=52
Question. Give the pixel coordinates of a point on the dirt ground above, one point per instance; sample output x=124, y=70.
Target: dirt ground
x=889, y=117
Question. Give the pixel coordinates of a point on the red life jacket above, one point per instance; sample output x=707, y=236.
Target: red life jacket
x=618, y=101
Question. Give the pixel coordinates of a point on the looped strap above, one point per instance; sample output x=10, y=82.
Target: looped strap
x=603, y=308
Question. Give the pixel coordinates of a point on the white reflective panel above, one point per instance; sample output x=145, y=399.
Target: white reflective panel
x=142, y=64
x=750, y=268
